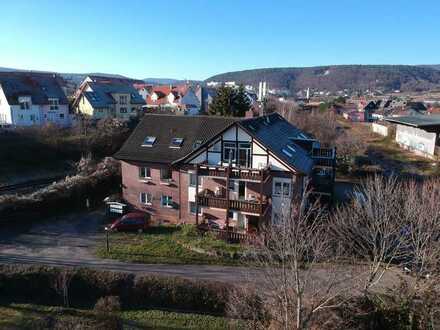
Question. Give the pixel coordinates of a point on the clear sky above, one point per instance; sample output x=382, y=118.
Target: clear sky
x=195, y=39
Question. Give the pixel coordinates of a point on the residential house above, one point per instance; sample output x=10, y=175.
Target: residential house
x=29, y=98
x=227, y=172
x=181, y=99
x=419, y=134
x=102, y=97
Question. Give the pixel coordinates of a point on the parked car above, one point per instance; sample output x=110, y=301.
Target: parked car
x=134, y=221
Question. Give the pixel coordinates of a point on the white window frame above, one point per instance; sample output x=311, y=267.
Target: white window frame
x=54, y=103
x=146, y=198
x=169, y=201
x=24, y=104
x=283, y=184
x=123, y=99
x=143, y=170
x=229, y=145
x=190, y=211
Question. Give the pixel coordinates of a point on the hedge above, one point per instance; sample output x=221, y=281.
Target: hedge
x=36, y=284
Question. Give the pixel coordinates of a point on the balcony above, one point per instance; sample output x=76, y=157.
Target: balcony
x=328, y=153
x=255, y=207
x=235, y=173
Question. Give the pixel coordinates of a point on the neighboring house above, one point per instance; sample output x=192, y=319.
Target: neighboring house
x=28, y=98
x=419, y=134
x=354, y=116
x=101, y=98
x=225, y=171
x=181, y=99
x=206, y=97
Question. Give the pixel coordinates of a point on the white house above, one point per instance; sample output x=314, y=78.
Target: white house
x=28, y=98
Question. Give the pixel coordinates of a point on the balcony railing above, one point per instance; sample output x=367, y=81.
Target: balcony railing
x=236, y=205
x=325, y=162
x=234, y=172
x=323, y=153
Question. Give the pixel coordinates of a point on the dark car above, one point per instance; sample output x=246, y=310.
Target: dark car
x=134, y=221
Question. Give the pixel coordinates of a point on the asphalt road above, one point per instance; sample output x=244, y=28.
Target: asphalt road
x=70, y=240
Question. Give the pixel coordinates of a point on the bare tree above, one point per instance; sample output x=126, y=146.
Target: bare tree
x=422, y=211
x=370, y=227
x=62, y=284
x=298, y=277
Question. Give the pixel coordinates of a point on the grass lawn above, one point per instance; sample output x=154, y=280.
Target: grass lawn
x=24, y=316
x=171, y=245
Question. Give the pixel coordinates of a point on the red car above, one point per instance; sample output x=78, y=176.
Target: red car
x=134, y=221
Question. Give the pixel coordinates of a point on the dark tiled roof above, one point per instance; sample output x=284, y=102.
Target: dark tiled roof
x=275, y=133
x=39, y=86
x=166, y=127
x=101, y=95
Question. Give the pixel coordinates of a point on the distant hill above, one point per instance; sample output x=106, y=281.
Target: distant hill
x=340, y=77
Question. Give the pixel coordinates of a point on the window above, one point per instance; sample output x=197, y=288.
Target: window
x=244, y=154
x=122, y=99
x=133, y=109
x=146, y=198
x=282, y=189
x=123, y=110
x=192, y=180
x=232, y=185
x=144, y=172
x=149, y=141
x=229, y=152
x=24, y=105
x=53, y=104
x=62, y=115
x=165, y=174
x=192, y=208
x=32, y=117
x=176, y=142
x=166, y=201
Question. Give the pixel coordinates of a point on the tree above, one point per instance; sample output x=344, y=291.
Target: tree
x=370, y=227
x=230, y=102
x=298, y=274
x=221, y=103
x=240, y=102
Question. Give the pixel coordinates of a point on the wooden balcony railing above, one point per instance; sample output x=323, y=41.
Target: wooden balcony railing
x=234, y=172
x=232, y=236
x=237, y=205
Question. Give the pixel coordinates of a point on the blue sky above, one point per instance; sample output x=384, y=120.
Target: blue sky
x=195, y=39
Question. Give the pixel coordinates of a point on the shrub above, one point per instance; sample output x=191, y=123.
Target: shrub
x=189, y=231
x=108, y=304
x=30, y=284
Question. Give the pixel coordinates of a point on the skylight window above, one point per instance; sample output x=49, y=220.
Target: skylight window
x=149, y=141
x=176, y=142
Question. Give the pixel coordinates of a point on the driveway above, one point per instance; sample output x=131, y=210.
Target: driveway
x=70, y=241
